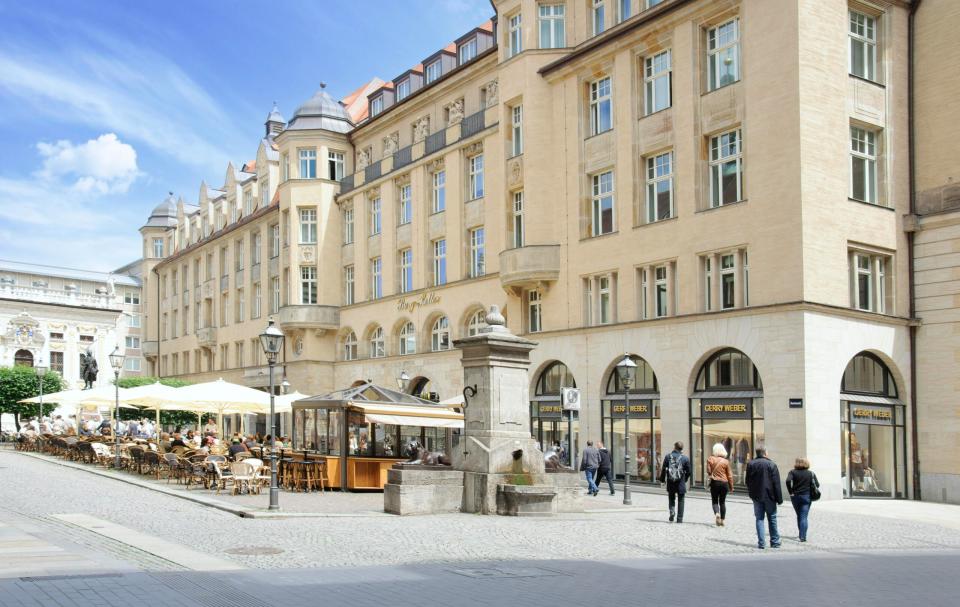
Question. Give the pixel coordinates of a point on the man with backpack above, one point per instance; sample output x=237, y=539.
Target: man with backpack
x=676, y=471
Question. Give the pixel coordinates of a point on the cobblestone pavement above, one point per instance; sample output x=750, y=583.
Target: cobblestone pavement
x=40, y=489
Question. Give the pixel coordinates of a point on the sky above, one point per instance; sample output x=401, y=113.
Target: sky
x=106, y=105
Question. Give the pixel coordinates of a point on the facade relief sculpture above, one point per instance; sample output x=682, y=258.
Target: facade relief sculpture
x=455, y=112
x=421, y=128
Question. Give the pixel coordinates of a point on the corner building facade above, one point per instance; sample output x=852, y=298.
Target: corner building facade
x=715, y=187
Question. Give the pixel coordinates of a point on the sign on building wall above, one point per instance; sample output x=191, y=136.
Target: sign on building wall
x=866, y=414
x=727, y=408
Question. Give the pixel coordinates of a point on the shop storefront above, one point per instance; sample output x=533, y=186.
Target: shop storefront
x=549, y=423
x=644, y=416
x=727, y=408
x=873, y=435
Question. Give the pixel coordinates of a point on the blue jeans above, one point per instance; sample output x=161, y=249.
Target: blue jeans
x=801, y=503
x=768, y=508
x=591, y=473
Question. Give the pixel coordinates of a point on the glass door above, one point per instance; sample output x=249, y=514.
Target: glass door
x=872, y=452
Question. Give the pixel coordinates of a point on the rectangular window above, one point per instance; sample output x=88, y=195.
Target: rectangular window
x=516, y=130
x=348, y=292
x=863, y=165
x=308, y=226
x=406, y=204
x=238, y=349
x=56, y=363
x=224, y=268
x=131, y=298
x=477, y=258
x=723, y=54
x=599, y=16
x=275, y=295
x=657, y=76
x=347, y=226
x=863, y=46
x=376, y=278
x=255, y=313
x=728, y=282
x=601, y=106
x=132, y=342
x=237, y=254
x=439, y=191
x=406, y=270
x=707, y=284
x=475, y=178
x=660, y=286
x=726, y=169
x=241, y=306
x=439, y=262
x=467, y=51
x=534, y=312
x=642, y=276
x=308, y=284
x=746, y=279
x=403, y=89
x=433, y=72
x=515, y=35
x=158, y=247
x=518, y=219
x=604, y=300
x=255, y=249
x=623, y=10
x=275, y=240
x=285, y=167
x=131, y=364
x=134, y=321
x=335, y=166
x=308, y=163
x=552, y=26
x=375, y=217
x=660, y=187
x=376, y=105
x=601, y=214
x=247, y=203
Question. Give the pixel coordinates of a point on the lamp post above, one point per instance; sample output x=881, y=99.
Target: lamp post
x=41, y=370
x=272, y=341
x=626, y=371
x=116, y=361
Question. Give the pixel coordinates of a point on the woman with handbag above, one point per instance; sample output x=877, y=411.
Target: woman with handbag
x=804, y=489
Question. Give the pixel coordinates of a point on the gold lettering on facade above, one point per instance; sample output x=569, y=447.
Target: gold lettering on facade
x=633, y=408
x=411, y=305
x=880, y=414
x=739, y=408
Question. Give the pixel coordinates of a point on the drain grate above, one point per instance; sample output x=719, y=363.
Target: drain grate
x=53, y=578
x=253, y=550
x=505, y=572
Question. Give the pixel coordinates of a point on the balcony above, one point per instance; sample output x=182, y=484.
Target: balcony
x=529, y=267
x=403, y=157
x=435, y=142
x=56, y=296
x=346, y=184
x=149, y=348
x=316, y=317
x=207, y=337
x=371, y=172
x=472, y=124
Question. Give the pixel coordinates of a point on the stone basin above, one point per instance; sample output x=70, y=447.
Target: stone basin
x=526, y=500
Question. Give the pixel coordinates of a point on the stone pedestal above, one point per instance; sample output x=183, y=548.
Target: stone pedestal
x=422, y=489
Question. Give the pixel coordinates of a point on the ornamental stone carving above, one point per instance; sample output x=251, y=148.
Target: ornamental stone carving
x=363, y=159
x=421, y=128
x=474, y=148
x=391, y=144
x=23, y=331
x=436, y=165
x=402, y=180
x=515, y=172
x=373, y=193
x=308, y=254
x=493, y=93
x=455, y=112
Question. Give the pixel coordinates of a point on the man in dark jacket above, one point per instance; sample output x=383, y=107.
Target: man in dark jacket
x=589, y=464
x=603, y=470
x=676, y=471
x=763, y=484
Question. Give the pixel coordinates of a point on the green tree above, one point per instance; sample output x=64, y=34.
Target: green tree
x=167, y=418
x=20, y=382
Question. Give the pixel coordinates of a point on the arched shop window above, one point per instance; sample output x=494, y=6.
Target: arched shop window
x=726, y=407
x=644, y=414
x=873, y=436
x=549, y=423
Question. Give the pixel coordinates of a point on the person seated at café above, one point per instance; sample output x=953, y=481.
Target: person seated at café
x=211, y=427
x=251, y=442
x=236, y=447
x=164, y=444
x=58, y=425
x=146, y=428
x=70, y=431
x=178, y=445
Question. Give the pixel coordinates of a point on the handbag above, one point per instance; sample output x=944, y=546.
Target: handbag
x=814, y=489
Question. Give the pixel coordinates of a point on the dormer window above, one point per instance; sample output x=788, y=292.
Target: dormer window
x=376, y=105
x=403, y=89
x=467, y=50
x=433, y=71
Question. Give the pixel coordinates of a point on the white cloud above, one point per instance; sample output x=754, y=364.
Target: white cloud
x=104, y=165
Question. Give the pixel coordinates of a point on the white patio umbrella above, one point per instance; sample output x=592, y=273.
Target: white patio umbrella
x=220, y=397
x=284, y=402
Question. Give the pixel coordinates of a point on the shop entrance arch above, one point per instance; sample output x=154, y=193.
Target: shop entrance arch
x=873, y=437
x=549, y=424
x=726, y=407
x=644, y=422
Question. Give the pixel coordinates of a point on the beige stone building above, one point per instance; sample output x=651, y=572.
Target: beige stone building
x=719, y=188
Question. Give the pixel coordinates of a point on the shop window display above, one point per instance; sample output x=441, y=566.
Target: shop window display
x=644, y=422
x=549, y=423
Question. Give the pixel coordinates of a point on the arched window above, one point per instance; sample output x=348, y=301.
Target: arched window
x=440, y=335
x=728, y=369
x=408, y=339
x=23, y=358
x=645, y=380
x=554, y=377
x=350, y=346
x=377, y=347
x=866, y=374
x=477, y=321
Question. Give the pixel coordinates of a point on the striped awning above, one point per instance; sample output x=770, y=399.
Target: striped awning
x=728, y=394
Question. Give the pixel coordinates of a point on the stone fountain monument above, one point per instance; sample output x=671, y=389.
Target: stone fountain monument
x=497, y=461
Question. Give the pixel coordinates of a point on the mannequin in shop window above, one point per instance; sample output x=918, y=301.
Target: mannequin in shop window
x=869, y=479
x=856, y=463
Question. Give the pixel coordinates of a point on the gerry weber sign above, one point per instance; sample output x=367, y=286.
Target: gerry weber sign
x=411, y=305
x=727, y=409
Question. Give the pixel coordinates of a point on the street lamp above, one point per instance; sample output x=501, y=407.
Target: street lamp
x=116, y=361
x=626, y=371
x=403, y=381
x=41, y=370
x=272, y=341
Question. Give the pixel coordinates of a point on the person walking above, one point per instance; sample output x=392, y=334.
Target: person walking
x=721, y=481
x=603, y=470
x=763, y=484
x=676, y=471
x=804, y=489
x=589, y=464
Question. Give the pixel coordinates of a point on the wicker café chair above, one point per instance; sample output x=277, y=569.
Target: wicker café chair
x=171, y=466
